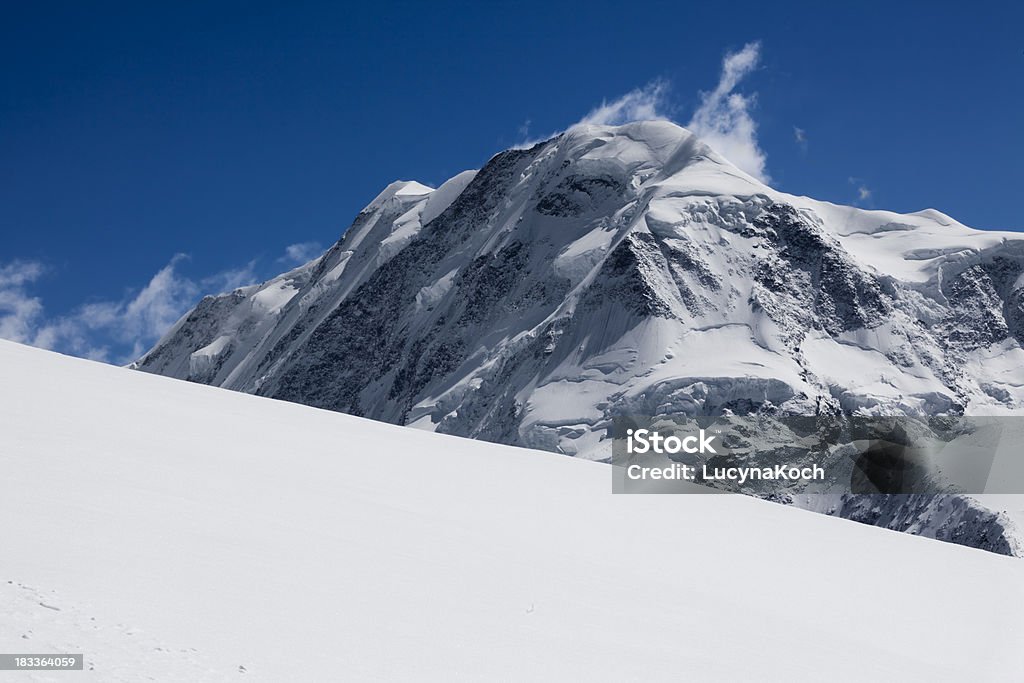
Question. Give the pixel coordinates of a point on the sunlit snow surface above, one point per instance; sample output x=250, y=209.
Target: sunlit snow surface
x=179, y=532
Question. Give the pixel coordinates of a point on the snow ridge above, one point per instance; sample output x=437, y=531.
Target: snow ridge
x=621, y=269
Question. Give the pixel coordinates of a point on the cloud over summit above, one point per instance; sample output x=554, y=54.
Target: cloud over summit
x=723, y=119
x=642, y=104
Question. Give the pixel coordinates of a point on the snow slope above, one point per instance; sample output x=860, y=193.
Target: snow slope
x=181, y=532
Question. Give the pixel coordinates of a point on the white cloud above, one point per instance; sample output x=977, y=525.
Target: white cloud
x=800, y=135
x=157, y=306
x=105, y=330
x=231, y=279
x=18, y=273
x=863, y=191
x=524, y=130
x=301, y=252
x=117, y=330
x=643, y=104
x=723, y=118
x=649, y=103
x=19, y=311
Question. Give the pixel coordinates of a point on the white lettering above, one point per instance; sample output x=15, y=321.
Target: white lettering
x=645, y=441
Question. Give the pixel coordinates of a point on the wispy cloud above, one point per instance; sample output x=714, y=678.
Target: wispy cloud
x=19, y=311
x=800, y=136
x=863, y=191
x=299, y=253
x=524, y=130
x=723, y=119
x=113, y=330
x=643, y=104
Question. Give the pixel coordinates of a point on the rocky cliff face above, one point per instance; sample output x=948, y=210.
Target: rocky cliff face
x=621, y=270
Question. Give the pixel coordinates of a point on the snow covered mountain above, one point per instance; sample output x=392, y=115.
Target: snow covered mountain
x=616, y=270
x=175, y=532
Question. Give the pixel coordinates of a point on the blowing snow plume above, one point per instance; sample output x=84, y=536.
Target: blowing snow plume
x=642, y=104
x=723, y=119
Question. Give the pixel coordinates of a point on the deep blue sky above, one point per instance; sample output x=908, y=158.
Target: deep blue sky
x=228, y=131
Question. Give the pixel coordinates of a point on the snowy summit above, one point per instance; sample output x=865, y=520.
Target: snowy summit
x=620, y=270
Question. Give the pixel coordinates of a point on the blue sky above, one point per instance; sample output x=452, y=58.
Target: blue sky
x=150, y=154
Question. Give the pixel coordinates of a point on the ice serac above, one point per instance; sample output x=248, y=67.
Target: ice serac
x=620, y=270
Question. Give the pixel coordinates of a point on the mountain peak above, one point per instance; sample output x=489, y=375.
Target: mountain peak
x=620, y=268
x=660, y=151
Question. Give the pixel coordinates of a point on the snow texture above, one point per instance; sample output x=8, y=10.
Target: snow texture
x=172, y=531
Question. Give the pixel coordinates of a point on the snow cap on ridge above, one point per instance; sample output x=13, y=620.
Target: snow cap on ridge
x=401, y=189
